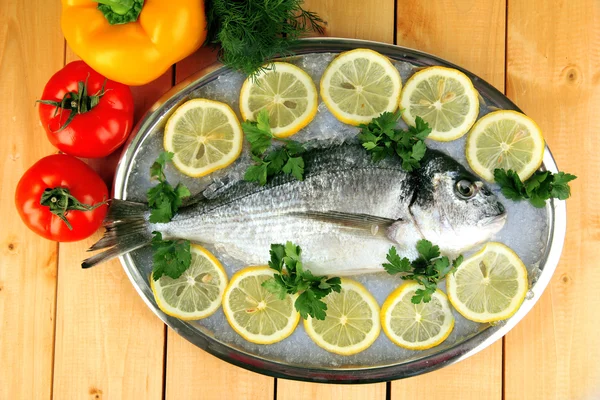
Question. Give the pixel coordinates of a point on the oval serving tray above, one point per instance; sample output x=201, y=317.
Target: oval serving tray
x=156, y=117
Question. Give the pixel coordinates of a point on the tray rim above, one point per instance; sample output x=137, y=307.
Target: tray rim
x=556, y=210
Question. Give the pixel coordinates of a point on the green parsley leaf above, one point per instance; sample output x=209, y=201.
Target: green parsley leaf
x=428, y=269
x=421, y=295
x=258, y=133
x=396, y=264
x=509, y=182
x=276, y=159
x=421, y=129
x=156, y=169
x=427, y=250
x=541, y=186
x=171, y=257
x=276, y=286
x=382, y=140
x=163, y=199
x=309, y=304
x=257, y=173
x=295, y=167
x=418, y=150
x=560, y=187
x=292, y=278
x=293, y=148
x=286, y=158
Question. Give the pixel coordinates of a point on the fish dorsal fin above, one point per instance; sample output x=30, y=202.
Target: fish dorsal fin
x=370, y=223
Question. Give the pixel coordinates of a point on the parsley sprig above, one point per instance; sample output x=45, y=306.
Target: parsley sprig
x=292, y=278
x=428, y=269
x=540, y=187
x=381, y=138
x=171, y=257
x=164, y=200
x=287, y=158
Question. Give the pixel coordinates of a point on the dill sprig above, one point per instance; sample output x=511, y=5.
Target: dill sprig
x=252, y=32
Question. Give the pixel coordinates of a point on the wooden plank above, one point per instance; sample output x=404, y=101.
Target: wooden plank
x=190, y=370
x=294, y=390
x=467, y=33
x=193, y=373
x=474, y=39
x=478, y=377
x=29, y=54
x=108, y=343
x=360, y=19
x=554, y=76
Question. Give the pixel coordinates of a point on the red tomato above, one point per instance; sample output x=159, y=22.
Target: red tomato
x=102, y=115
x=76, y=187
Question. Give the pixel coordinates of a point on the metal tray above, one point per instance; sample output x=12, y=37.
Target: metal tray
x=156, y=117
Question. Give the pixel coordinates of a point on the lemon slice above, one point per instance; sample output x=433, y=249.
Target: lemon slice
x=488, y=286
x=352, y=321
x=416, y=326
x=359, y=85
x=256, y=314
x=287, y=92
x=204, y=135
x=197, y=293
x=505, y=139
x=445, y=98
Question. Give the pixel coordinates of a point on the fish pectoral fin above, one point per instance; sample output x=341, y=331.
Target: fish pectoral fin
x=370, y=223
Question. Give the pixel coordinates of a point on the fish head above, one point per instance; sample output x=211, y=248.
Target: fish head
x=452, y=207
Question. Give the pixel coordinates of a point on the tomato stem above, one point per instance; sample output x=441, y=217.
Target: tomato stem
x=77, y=102
x=61, y=201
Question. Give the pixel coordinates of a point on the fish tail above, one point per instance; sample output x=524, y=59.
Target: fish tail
x=127, y=229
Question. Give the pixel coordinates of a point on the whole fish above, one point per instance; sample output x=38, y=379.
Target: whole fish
x=345, y=215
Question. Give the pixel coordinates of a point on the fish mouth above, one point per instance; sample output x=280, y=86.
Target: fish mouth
x=495, y=223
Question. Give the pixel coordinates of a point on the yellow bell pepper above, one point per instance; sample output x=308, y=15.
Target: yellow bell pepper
x=133, y=41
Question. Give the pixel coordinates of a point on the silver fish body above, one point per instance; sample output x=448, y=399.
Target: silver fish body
x=345, y=215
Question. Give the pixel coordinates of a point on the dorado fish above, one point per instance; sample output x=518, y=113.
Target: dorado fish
x=345, y=215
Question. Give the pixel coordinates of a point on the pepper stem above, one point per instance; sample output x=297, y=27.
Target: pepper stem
x=60, y=201
x=120, y=7
x=120, y=11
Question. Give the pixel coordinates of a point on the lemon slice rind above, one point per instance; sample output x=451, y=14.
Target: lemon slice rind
x=259, y=271
x=370, y=336
x=516, y=300
x=267, y=92
x=413, y=84
x=389, y=100
x=227, y=119
x=525, y=170
x=163, y=282
x=404, y=294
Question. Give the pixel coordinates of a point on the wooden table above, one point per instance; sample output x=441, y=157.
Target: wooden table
x=68, y=333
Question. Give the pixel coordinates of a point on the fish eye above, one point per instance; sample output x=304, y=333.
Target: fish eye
x=466, y=189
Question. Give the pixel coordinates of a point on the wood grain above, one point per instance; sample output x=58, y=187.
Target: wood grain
x=109, y=345
x=470, y=34
x=29, y=55
x=554, y=76
x=359, y=19
x=476, y=378
x=294, y=390
x=192, y=372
